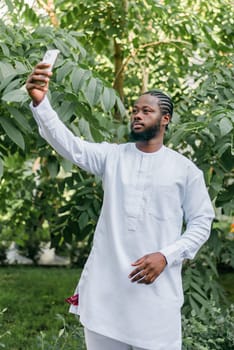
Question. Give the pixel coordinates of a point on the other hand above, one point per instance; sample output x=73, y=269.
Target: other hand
x=38, y=83
x=148, y=268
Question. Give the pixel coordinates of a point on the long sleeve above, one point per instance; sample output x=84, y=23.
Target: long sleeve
x=88, y=156
x=198, y=214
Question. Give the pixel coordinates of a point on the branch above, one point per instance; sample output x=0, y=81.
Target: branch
x=49, y=8
x=151, y=44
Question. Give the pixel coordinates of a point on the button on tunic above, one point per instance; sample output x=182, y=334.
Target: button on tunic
x=146, y=198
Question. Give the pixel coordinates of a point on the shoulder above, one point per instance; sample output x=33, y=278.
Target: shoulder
x=182, y=161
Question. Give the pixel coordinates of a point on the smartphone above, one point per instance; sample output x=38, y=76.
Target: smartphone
x=50, y=58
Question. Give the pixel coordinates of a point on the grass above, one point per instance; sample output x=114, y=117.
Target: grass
x=33, y=297
x=37, y=316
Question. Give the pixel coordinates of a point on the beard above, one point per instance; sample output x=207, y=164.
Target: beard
x=146, y=135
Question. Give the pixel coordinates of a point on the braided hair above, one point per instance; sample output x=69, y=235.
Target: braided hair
x=164, y=102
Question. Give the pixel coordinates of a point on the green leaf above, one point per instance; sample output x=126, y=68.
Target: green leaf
x=18, y=95
x=83, y=220
x=67, y=165
x=6, y=81
x=207, y=258
x=82, y=50
x=20, y=118
x=20, y=68
x=108, y=98
x=78, y=77
x=92, y=91
x=64, y=71
x=62, y=46
x=194, y=305
x=223, y=148
x=66, y=110
x=177, y=136
x=12, y=85
x=97, y=135
x=5, y=50
x=72, y=40
x=121, y=131
x=6, y=70
x=199, y=298
x=225, y=126
x=198, y=289
x=13, y=133
x=120, y=106
x=85, y=129
x=53, y=166
x=83, y=110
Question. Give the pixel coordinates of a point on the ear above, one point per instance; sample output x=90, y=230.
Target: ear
x=166, y=119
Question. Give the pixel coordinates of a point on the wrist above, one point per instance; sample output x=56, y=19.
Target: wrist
x=35, y=103
x=164, y=258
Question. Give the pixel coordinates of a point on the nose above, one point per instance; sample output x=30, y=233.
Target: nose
x=137, y=115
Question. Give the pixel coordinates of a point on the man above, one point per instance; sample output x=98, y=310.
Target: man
x=130, y=291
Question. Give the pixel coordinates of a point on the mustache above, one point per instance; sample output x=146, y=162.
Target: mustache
x=136, y=123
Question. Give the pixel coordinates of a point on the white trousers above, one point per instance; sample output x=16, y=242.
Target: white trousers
x=95, y=341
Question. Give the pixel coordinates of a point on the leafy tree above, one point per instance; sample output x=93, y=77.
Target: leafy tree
x=83, y=101
x=182, y=47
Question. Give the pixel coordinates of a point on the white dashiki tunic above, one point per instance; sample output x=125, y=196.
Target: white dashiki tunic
x=146, y=198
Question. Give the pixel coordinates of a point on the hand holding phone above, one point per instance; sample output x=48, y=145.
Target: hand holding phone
x=50, y=58
x=37, y=83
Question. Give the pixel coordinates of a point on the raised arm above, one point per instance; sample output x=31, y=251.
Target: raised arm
x=89, y=156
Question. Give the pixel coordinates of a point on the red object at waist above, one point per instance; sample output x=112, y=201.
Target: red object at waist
x=73, y=300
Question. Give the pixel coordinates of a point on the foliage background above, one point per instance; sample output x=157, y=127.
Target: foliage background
x=110, y=52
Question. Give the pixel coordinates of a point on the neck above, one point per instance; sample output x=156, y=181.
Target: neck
x=149, y=146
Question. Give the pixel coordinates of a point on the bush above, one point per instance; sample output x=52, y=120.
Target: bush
x=216, y=332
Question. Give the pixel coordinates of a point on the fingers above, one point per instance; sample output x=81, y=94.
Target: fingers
x=148, y=268
x=139, y=261
x=147, y=280
x=137, y=274
x=140, y=275
x=143, y=273
x=39, y=78
x=38, y=84
x=42, y=65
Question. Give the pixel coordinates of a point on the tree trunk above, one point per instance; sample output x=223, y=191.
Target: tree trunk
x=145, y=79
x=118, y=84
x=119, y=71
x=50, y=9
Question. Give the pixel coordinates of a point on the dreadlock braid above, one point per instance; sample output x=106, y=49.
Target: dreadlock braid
x=164, y=101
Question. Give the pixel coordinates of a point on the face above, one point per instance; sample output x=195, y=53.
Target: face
x=146, y=119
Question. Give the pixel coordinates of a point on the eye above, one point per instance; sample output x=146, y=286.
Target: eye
x=146, y=110
x=134, y=110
